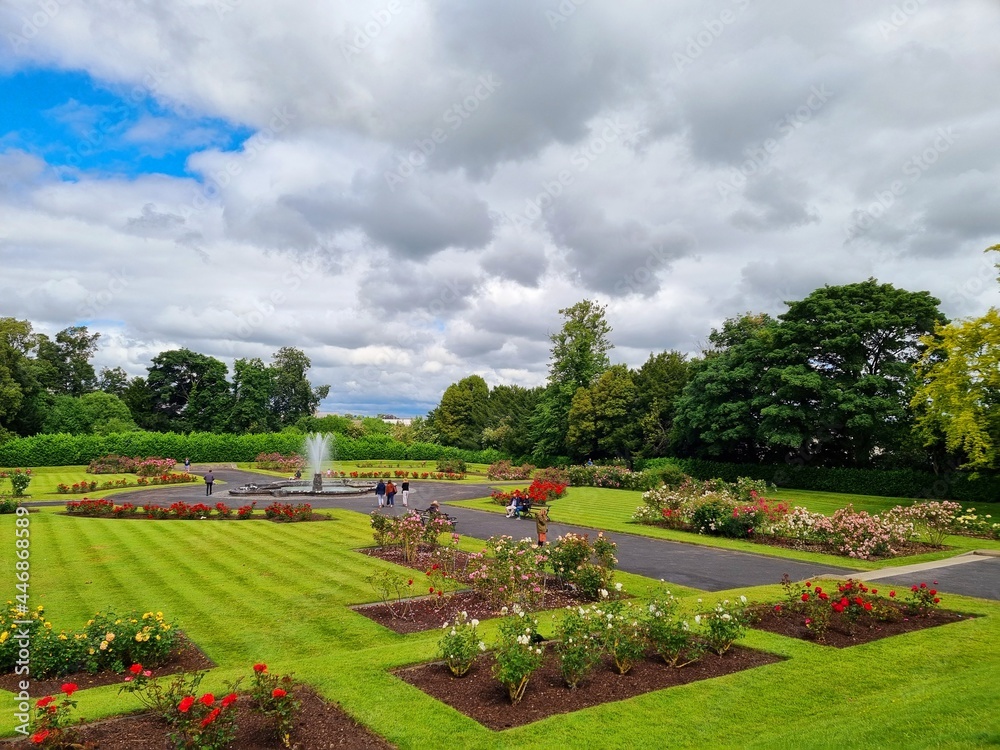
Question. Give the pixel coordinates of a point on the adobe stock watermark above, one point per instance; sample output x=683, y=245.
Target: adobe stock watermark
x=364, y=34
x=900, y=16
x=563, y=12
x=267, y=306
x=758, y=156
x=95, y=303
x=613, y=131
x=34, y=23
x=454, y=117
x=913, y=169
x=712, y=29
x=21, y=635
x=214, y=181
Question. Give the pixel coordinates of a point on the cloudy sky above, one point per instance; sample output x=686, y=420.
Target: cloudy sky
x=410, y=190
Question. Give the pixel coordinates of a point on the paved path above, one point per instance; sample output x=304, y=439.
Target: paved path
x=699, y=567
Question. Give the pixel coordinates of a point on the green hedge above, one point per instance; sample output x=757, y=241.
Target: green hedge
x=208, y=447
x=982, y=488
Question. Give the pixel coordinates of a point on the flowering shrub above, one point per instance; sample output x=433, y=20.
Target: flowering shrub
x=804, y=525
x=625, y=638
x=114, y=641
x=280, y=462
x=518, y=653
x=19, y=480
x=51, y=725
x=394, y=590
x=811, y=604
x=616, y=477
x=862, y=535
x=580, y=643
x=971, y=523
x=407, y=532
x=272, y=697
x=669, y=633
x=158, y=694
x=512, y=574
x=460, y=644
x=725, y=624
x=553, y=474
x=205, y=722
x=506, y=470
x=587, y=567
x=543, y=491
x=935, y=518
x=922, y=599
x=85, y=507
x=246, y=511
x=287, y=512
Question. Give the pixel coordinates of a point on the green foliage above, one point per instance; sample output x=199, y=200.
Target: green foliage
x=460, y=644
x=961, y=486
x=451, y=463
x=517, y=654
x=669, y=633
x=580, y=638
x=725, y=624
x=462, y=414
x=958, y=396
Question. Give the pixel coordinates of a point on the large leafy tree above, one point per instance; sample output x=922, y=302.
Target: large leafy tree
x=718, y=413
x=959, y=392
x=292, y=396
x=95, y=412
x=659, y=383
x=509, y=410
x=840, y=375
x=17, y=381
x=253, y=388
x=189, y=391
x=113, y=380
x=579, y=355
x=63, y=365
x=461, y=416
x=602, y=418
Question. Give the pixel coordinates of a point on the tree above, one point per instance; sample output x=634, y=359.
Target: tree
x=840, y=375
x=253, y=388
x=189, y=391
x=461, y=416
x=96, y=412
x=113, y=380
x=959, y=391
x=292, y=396
x=16, y=376
x=64, y=364
x=718, y=413
x=579, y=355
x=659, y=383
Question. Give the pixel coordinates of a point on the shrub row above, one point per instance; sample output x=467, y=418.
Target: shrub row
x=208, y=447
x=982, y=488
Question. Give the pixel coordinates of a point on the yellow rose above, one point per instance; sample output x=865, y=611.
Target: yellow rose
x=4, y=636
x=104, y=645
x=109, y=637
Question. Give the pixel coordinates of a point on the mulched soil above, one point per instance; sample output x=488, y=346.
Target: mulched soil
x=319, y=725
x=841, y=634
x=428, y=612
x=187, y=657
x=479, y=696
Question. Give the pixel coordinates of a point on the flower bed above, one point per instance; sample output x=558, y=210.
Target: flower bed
x=144, y=467
x=279, y=512
x=113, y=484
x=742, y=511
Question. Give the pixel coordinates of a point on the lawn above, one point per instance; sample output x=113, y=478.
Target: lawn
x=45, y=479
x=612, y=510
x=257, y=591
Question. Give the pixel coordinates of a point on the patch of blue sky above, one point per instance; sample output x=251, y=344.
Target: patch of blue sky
x=76, y=123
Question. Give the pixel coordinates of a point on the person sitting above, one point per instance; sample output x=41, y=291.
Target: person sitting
x=434, y=508
x=523, y=507
x=512, y=508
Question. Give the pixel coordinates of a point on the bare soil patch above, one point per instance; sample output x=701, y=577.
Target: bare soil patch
x=841, y=633
x=320, y=725
x=479, y=696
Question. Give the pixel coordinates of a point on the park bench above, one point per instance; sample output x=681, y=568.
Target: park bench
x=426, y=514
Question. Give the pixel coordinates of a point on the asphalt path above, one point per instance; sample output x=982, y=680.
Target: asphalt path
x=696, y=566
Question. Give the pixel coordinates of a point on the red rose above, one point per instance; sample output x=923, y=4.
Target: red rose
x=39, y=737
x=923, y=585
x=278, y=693
x=135, y=668
x=185, y=704
x=933, y=592
x=892, y=594
x=874, y=591
x=69, y=688
x=410, y=582
x=937, y=600
x=212, y=716
x=207, y=699
x=431, y=589
x=229, y=700
x=259, y=667
x=805, y=597
x=868, y=607
x=808, y=584
x=777, y=607
x=43, y=702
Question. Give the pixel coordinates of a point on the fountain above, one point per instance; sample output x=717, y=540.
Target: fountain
x=316, y=448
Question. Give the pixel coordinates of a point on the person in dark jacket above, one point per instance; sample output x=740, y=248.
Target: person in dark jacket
x=380, y=493
x=209, y=481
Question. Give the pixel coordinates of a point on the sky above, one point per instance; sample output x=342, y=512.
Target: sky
x=410, y=190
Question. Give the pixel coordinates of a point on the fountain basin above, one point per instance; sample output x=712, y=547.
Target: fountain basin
x=286, y=487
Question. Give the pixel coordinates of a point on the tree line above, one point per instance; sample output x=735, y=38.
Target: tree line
x=49, y=385
x=862, y=375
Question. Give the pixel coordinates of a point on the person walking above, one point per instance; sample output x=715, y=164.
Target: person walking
x=380, y=493
x=542, y=525
x=209, y=481
x=404, y=490
x=390, y=494
x=187, y=465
